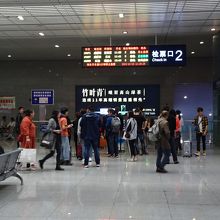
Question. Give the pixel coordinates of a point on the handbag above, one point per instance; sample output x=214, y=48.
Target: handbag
x=28, y=155
x=127, y=134
x=196, y=128
x=48, y=140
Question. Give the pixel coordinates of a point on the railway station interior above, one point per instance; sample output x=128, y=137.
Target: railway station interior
x=128, y=58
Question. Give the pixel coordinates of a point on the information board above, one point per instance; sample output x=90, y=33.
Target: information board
x=134, y=56
x=167, y=55
x=115, y=56
x=127, y=97
x=42, y=97
x=7, y=103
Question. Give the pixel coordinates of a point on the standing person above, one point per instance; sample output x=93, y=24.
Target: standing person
x=119, y=115
x=53, y=126
x=163, y=145
x=3, y=125
x=28, y=132
x=81, y=141
x=138, y=116
x=172, y=127
x=65, y=144
x=90, y=125
x=180, y=124
x=201, y=129
x=113, y=126
x=75, y=130
x=18, y=120
x=130, y=134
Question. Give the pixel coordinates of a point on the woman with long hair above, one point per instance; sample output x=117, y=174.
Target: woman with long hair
x=130, y=134
x=27, y=135
x=54, y=128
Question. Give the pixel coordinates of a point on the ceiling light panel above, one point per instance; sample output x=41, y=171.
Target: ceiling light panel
x=151, y=7
x=51, y=20
x=200, y=5
x=66, y=10
x=13, y=11
x=42, y=10
x=89, y=9
x=120, y=8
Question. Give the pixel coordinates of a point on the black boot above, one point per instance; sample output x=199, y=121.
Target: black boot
x=59, y=168
x=41, y=164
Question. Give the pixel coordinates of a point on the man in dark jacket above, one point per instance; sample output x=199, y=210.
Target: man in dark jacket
x=163, y=145
x=172, y=126
x=18, y=120
x=90, y=125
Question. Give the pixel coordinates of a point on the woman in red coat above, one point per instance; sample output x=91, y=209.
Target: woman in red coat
x=28, y=130
x=28, y=135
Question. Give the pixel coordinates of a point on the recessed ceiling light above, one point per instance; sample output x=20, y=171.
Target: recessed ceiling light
x=57, y=46
x=213, y=29
x=121, y=15
x=41, y=34
x=69, y=55
x=201, y=42
x=185, y=97
x=192, y=52
x=9, y=55
x=125, y=32
x=127, y=44
x=21, y=18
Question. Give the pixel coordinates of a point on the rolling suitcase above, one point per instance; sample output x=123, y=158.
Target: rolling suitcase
x=187, y=148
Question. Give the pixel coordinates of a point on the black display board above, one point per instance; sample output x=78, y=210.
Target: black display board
x=126, y=97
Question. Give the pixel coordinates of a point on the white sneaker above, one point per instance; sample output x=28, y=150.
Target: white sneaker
x=90, y=159
x=83, y=160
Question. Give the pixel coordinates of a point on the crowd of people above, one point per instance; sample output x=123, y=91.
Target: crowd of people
x=88, y=127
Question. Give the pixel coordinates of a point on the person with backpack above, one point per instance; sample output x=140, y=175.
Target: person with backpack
x=163, y=145
x=113, y=126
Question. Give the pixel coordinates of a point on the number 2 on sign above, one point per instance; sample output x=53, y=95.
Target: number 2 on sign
x=179, y=54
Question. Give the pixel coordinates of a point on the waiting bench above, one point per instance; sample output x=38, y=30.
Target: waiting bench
x=8, y=163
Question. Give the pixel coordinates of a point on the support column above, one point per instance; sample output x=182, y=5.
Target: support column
x=216, y=89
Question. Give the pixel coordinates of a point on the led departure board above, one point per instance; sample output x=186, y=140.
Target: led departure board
x=125, y=56
x=136, y=56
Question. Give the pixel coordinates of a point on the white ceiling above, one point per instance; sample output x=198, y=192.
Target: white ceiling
x=77, y=23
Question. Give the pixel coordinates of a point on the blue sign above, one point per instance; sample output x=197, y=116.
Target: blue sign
x=42, y=97
x=127, y=97
x=167, y=55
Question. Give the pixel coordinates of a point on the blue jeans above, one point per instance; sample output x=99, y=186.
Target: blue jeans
x=94, y=144
x=113, y=143
x=83, y=149
x=140, y=136
x=65, y=144
x=162, y=157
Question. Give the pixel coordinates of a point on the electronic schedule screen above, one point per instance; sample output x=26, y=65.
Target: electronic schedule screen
x=117, y=56
x=134, y=56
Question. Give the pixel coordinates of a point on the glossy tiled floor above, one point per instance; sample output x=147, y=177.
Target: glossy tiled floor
x=117, y=190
